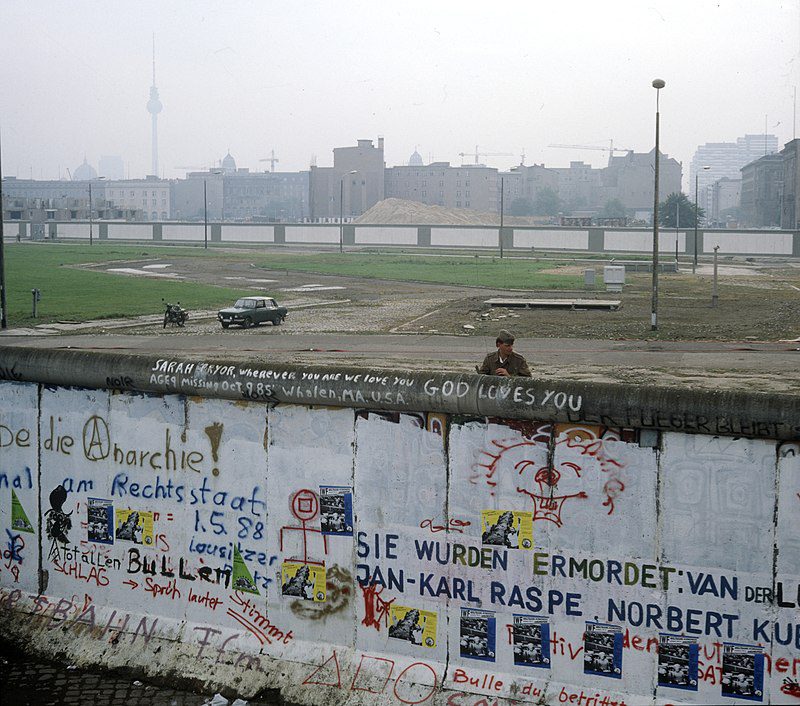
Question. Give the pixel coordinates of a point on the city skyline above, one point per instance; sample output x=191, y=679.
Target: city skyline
x=439, y=80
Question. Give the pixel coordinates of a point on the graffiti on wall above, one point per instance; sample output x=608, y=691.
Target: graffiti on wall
x=497, y=559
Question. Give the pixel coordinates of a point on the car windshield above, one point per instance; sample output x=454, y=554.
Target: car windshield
x=245, y=304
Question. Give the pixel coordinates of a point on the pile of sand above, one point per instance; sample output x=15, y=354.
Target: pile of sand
x=415, y=213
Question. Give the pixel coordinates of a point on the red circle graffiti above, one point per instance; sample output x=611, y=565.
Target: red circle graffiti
x=305, y=505
x=424, y=698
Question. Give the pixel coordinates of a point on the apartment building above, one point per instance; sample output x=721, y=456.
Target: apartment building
x=351, y=186
x=790, y=201
x=726, y=159
x=472, y=186
x=762, y=192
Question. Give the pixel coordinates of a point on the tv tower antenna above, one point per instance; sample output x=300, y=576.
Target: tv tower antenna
x=154, y=108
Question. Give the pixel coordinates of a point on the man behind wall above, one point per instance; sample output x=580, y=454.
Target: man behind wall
x=505, y=362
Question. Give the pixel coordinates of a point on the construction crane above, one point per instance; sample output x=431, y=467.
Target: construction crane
x=478, y=154
x=610, y=149
x=271, y=159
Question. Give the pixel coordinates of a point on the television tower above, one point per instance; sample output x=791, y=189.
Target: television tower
x=154, y=108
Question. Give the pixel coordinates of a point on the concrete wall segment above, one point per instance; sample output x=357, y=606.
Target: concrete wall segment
x=498, y=542
x=748, y=414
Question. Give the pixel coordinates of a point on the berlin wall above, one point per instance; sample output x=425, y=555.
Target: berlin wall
x=375, y=537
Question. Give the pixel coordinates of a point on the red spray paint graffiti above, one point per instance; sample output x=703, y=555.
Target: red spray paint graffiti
x=376, y=610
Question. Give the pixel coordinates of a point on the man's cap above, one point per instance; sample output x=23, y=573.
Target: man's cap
x=505, y=336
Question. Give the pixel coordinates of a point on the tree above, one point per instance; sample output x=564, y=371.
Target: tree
x=546, y=202
x=677, y=211
x=520, y=207
x=614, y=208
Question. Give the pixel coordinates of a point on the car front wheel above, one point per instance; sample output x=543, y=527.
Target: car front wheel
x=277, y=321
x=225, y=324
x=247, y=323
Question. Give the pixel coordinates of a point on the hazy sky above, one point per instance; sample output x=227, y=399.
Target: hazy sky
x=302, y=78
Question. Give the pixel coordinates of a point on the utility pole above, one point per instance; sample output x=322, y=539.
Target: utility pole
x=714, y=291
x=502, y=193
x=3, y=317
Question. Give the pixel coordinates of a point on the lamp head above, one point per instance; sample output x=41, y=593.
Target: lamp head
x=658, y=83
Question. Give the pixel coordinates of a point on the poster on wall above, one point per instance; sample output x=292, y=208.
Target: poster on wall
x=134, y=526
x=743, y=671
x=477, y=634
x=242, y=579
x=306, y=581
x=507, y=528
x=100, y=520
x=413, y=625
x=336, y=510
x=602, y=645
x=677, y=661
x=19, y=518
x=531, y=638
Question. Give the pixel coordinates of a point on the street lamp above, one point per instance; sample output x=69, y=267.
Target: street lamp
x=502, y=192
x=658, y=84
x=90, y=210
x=205, y=210
x=341, y=208
x=696, y=217
x=3, y=317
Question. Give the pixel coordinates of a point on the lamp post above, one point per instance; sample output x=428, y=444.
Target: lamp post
x=90, y=210
x=205, y=210
x=341, y=208
x=3, y=317
x=658, y=84
x=502, y=194
x=696, y=217
x=205, y=216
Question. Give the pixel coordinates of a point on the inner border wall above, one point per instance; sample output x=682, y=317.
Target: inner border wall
x=365, y=536
x=767, y=243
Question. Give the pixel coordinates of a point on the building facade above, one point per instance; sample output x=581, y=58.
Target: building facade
x=726, y=159
x=440, y=184
x=353, y=185
x=790, y=201
x=726, y=196
x=629, y=179
x=74, y=200
x=762, y=192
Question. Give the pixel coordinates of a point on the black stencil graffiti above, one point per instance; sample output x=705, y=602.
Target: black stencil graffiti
x=58, y=522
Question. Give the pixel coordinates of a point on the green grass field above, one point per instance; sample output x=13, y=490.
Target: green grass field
x=68, y=293
x=483, y=271
x=72, y=293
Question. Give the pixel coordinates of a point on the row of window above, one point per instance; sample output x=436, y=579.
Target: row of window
x=132, y=194
x=425, y=183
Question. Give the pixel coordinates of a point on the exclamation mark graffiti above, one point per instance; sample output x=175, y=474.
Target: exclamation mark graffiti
x=214, y=434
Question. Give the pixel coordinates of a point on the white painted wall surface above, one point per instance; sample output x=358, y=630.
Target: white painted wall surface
x=312, y=234
x=682, y=539
x=248, y=234
x=130, y=231
x=75, y=230
x=466, y=237
x=171, y=231
x=376, y=235
x=775, y=243
x=557, y=239
x=19, y=442
x=643, y=242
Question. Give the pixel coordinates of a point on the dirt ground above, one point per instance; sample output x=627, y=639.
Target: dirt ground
x=757, y=301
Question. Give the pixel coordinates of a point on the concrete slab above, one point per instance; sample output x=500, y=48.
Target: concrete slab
x=606, y=304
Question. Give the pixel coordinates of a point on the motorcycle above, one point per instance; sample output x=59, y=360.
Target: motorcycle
x=175, y=314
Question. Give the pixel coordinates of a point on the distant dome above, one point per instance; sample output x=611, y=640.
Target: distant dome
x=84, y=172
x=229, y=163
x=415, y=160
